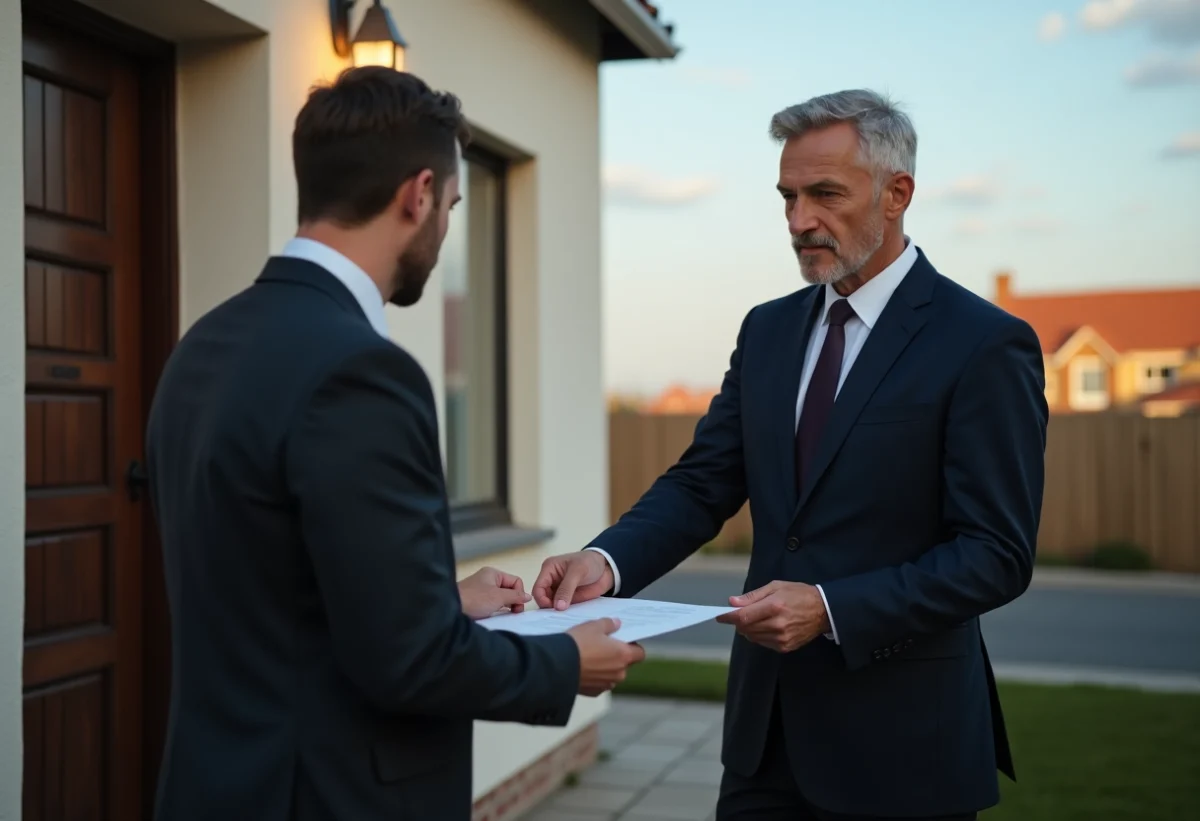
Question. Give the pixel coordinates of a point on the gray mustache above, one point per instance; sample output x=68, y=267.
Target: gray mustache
x=811, y=240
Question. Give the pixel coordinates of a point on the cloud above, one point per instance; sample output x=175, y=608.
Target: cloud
x=971, y=227
x=971, y=190
x=1185, y=145
x=1170, y=21
x=1164, y=70
x=1034, y=192
x=1052, y=27
x=1039, y=225
x=731, y=78
x=635, y=185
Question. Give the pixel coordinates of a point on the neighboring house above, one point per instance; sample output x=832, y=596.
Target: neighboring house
x=145, y=175
x=1176, y=401
x=680, y=400
x=1110, y=349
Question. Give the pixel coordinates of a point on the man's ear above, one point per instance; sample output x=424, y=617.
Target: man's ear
x=900, y=193
x=415, y=197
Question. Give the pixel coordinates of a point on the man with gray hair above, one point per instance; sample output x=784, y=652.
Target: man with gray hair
x=888, y=428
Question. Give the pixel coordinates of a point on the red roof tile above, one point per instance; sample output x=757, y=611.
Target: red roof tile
x=1127, y=320
x=1187, y=392
x=678, y=399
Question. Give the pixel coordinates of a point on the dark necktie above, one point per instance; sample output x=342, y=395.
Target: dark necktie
x=822, y=389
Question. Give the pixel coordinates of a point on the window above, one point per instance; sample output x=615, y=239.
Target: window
x=1155, y=378
x=472, y=263
x=1089, y=383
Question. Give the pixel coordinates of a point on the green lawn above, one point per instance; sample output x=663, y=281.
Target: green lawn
x=1082, y=753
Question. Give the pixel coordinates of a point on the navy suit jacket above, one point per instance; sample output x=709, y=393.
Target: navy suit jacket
x=920, y=513
x=322, y=665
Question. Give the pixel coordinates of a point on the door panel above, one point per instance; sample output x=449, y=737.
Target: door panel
x=83, y=549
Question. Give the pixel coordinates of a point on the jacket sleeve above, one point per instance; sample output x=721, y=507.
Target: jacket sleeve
x=992, y=480
x=364, y=466
x=688, y=505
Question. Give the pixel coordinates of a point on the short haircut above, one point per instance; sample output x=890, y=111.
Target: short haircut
x=357, y=140
x=887, y=139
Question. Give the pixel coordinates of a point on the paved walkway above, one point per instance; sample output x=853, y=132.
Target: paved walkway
x=660, y=762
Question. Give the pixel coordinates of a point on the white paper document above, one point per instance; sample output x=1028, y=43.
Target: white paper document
x=640, y=619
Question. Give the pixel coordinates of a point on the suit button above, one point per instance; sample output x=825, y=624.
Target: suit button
x=877, y=655
x=897, y=647
x=887, y=651
x=793, y=543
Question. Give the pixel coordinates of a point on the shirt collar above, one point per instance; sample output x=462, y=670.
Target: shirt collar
x=869, y=301
x=356, y=280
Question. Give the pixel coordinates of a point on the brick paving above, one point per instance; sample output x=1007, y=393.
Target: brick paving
x=660, y=762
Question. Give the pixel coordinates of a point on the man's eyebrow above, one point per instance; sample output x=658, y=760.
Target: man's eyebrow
x=827, y=184
x=822, y=184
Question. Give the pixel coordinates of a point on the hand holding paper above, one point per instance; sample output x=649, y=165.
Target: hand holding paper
x=640, y=619
x=781, y=616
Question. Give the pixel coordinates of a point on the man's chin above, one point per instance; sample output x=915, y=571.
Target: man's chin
x=407, y=297
x=816, y=275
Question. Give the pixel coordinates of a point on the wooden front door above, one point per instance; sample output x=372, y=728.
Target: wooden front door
x=83, y=406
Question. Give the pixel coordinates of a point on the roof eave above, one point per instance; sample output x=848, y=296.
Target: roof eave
x=650, y=39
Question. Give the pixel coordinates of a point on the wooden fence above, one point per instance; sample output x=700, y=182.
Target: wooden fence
x=1109, y=477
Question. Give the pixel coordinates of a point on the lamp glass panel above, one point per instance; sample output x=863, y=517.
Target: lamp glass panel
x=376, y=54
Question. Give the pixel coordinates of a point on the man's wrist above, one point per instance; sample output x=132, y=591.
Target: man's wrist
x=829, y=627
x=612, y=566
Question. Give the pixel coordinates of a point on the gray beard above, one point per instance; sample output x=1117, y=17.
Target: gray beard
x=845, y=265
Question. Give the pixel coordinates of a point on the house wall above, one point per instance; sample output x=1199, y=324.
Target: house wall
x=527, y=73
x=1056, y=385
x=12, y=408
x=1126, y=376
x=1089, y=353
x=1134, y=383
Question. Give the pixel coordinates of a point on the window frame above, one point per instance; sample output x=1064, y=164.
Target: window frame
x=1082, y=399
x=1148, y=384
x=496, y=512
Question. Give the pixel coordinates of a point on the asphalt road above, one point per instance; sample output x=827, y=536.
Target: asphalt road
x=1134, y=629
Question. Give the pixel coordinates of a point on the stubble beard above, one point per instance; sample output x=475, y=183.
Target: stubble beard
x=844, y=265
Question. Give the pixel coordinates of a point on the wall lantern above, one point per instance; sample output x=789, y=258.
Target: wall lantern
x=378, y=41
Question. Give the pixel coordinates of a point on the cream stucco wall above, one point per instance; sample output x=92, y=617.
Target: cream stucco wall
x=12, y=408
x=527, y=73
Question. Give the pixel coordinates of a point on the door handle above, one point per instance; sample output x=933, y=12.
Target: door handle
x=135, y=480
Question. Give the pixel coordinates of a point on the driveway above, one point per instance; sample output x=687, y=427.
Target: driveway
x=1145, y=624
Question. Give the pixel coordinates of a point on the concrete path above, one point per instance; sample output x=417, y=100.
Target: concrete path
x=662, y=763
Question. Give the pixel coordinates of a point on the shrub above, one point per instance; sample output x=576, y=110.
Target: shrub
x=1053, y=559
x=1120, y=555
x=726, y=547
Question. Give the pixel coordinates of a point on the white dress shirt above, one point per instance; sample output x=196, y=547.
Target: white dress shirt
x=868, y=303
x=356, y=280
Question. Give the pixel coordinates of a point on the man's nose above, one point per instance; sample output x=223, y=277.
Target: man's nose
x=802, y=219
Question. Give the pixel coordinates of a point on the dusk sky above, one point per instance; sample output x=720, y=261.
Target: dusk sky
x=1060, y=141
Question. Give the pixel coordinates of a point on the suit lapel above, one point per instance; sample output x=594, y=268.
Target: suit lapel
x=897, y=325
x=786, y=390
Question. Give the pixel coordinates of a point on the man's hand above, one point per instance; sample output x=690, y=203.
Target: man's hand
x=572, y=578
x=602, y=660
x=489, y=591
x=782, y=616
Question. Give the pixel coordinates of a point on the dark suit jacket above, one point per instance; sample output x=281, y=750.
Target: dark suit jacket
x=322, y=666
x=920, y=514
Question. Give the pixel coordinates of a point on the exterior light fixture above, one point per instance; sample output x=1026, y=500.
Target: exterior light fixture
x=378, y=41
